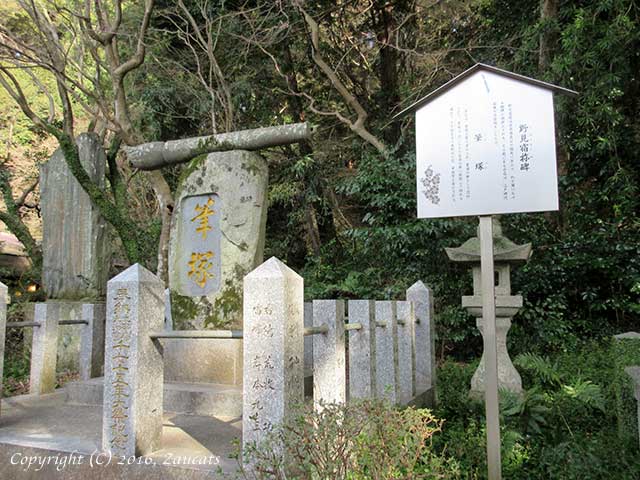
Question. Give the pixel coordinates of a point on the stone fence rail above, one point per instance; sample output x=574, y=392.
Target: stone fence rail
x=388, y=352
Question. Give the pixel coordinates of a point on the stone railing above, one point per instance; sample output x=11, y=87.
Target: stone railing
x=44, y=343
x=388, y=352
x=389, y=344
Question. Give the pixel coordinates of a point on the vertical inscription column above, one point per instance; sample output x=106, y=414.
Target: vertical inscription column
x=133, y=376
x=4, y=296
x=44, y=349
x=362, y=350
x=386, y=351
x=273, y=348
x=92, y=340
x=422, y=298
x=406, y=352
x=329, y=356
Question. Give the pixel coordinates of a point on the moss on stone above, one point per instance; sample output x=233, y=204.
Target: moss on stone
x=183, y=310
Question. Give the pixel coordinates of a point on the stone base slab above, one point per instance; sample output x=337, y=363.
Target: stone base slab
x=45, y=427
x=184, y=398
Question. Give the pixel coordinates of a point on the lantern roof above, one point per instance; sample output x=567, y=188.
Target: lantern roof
x=504, y=250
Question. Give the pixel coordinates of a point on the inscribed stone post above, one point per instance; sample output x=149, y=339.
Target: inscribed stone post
x=133, y=380
x=92, y=340
x=273, y=348
x=329, y=356
x=44, y=347
x=406, y=352
x=362, y=350
x=3, y=332
x=425, y=352
x=386, y=351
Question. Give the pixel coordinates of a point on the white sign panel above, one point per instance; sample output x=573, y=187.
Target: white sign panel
x=486, y=146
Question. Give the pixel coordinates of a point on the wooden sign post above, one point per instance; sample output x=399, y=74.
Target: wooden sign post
x=485, y=145
x=491, y=400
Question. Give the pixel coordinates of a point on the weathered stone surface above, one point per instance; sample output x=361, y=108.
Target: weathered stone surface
x=508, y=376
x=92, y=341
x=329, y=356
x=308, y=340
x=362, y=350
x=3, y=331
x=168, y=319
x=386, y=351
x=425, y=351
x=75, y=258
x=239, y=180
x=69, y=336
x=211, y=360
x=44, y=349
x=406, y=355
x=132, y=411
x=154, y=155
x=273, y=348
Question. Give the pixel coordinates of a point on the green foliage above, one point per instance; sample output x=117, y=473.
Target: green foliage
x=357, y=441
x=565, y=425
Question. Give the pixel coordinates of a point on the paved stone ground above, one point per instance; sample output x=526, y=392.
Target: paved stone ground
x=46, y=426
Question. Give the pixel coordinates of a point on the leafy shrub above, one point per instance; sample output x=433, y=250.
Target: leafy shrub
x=357, y=441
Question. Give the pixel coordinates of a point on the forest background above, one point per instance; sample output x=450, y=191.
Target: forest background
x=342, y=206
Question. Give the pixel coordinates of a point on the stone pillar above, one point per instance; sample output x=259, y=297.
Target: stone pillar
x=634, y=373
x=329, y=356
x=386, y=351
x=425, y=338
x=508, y=376
x=273, y=348
x=406, y=352
x=133, y=376
x=44, y=349
x=362, y=350
x=4, y=297
x=75, y=260
x=92, y=340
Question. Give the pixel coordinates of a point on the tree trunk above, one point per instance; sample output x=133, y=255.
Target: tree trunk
x=549, y=34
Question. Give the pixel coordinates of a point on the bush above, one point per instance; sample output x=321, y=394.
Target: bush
x=357, y=441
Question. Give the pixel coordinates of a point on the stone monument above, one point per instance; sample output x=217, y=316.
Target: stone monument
x=217, y=237
x=76, y=257
x=505, y=253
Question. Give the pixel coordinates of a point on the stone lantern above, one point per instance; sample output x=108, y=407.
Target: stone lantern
x=505, y=253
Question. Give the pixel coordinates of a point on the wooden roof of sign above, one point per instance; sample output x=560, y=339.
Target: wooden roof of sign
x=476, y=68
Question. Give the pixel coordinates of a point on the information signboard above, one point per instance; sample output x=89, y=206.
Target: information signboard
x=486, y=146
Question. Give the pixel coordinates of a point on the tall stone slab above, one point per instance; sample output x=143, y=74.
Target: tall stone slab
x=386, y=351
x=273, y=348
x=92, y=340
x=4, y=296
x=406, y=352
x=329, y=355
x=44, y=347
x=133, y=380
x=217, y=237
x=74, y=247
x=362, y=350
x=424, y=332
